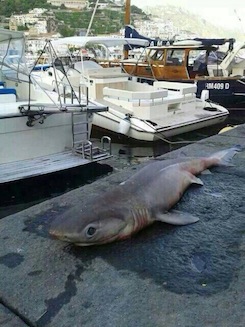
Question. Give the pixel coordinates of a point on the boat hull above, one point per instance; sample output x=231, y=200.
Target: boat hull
x=106, y=122
x=229, y=93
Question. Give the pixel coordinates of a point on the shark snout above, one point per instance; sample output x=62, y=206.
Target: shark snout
x=63, y=236
x=59, y=230
x=54, y=234
x=57, y=234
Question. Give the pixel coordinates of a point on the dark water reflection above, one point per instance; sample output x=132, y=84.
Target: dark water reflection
x=18, y=196
x=126, y=150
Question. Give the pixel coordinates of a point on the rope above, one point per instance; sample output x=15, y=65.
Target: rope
x=159, y=135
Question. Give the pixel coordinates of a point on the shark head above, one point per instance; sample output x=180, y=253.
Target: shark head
x=90, y=227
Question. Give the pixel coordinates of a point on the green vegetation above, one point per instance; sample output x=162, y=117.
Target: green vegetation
x=22, y=28
x=106, y=21
x=9, y=7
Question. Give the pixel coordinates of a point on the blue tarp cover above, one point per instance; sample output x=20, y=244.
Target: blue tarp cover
x=7, y=91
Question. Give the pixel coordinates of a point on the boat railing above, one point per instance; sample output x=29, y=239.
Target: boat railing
x=137, y=97
x=42, y=108
x=216, y=71
x=111, y=72
x=183, y=88
x=86, y=149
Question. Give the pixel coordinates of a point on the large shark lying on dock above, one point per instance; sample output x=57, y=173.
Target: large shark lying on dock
x=145, y=197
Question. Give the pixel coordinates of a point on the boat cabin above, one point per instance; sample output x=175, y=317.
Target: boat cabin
x=175, y=62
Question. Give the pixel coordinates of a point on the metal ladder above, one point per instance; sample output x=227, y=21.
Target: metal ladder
x=81, y=143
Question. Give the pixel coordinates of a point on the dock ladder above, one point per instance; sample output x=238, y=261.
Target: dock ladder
x=81, y=143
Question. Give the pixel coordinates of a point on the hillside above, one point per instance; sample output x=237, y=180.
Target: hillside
x=185, y=20
x=9, y=7
x=111, y=20
x=69, y=22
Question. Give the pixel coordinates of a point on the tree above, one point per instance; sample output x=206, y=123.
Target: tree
x=66, y=31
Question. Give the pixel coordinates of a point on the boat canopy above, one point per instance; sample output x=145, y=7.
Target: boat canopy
x=12, y=53
x=6, y=35
x=130, y=32
x=214, y=58
x=211, y=42
x=83, y=41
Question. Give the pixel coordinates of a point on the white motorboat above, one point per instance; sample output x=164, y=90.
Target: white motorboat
x=138, y=110
x=40, y=132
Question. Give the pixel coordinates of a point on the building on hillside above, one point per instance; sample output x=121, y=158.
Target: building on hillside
x=22, y=20
x=73, y=4
x=163, y=30
x=113, y=6
x=37, y=21
x=119, y=2
x=33, y=45
x=32, y=18
x=37, y=11
x=39, y=28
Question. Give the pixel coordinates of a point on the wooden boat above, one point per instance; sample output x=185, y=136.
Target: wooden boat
x=199, y=61
x=40, y=131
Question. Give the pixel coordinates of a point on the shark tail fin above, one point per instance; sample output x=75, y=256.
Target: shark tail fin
x=224, y=157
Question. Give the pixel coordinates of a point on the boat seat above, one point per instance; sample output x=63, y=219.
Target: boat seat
x=183, y=88
x=7, y=95
x=7, y=91
x=134, y=95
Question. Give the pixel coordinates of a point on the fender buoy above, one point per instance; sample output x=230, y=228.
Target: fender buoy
x=124, y=125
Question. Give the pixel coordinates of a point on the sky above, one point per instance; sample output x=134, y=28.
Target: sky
x=226, y=13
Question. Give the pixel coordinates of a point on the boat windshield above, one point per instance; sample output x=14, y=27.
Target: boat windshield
x=175, y=57
x=157, y=54
x=240, y=56
x=12, y=54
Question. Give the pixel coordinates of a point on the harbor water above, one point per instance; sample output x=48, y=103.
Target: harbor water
x=18, y=196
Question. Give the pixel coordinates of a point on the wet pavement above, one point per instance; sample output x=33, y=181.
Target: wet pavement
x=164, y=276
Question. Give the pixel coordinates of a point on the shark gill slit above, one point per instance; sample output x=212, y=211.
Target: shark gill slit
x=141, y=219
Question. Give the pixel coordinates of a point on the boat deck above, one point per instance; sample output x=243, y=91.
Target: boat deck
x=40, y=166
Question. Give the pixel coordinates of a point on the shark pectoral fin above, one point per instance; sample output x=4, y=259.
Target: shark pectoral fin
x=206, y=172
x=196, y=180
x=176, y=217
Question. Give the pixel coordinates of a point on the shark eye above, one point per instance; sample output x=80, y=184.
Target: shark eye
x=90, y=231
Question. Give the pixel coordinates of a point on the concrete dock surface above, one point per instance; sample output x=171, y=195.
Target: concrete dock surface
x=164, y=276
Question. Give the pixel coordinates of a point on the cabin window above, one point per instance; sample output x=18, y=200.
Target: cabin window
x=239, y=57
x=218, y=72
x=175, y=57
x=157, y=55
x=198, y=62
x=194, y=54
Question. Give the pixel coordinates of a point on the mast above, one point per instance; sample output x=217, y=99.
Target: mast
x=127, y=12
x=127, y=21
x=92, y=18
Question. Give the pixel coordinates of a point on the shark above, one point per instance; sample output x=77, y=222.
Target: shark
x=147, y=196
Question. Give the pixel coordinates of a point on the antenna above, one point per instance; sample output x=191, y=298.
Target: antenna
x=239, y=18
